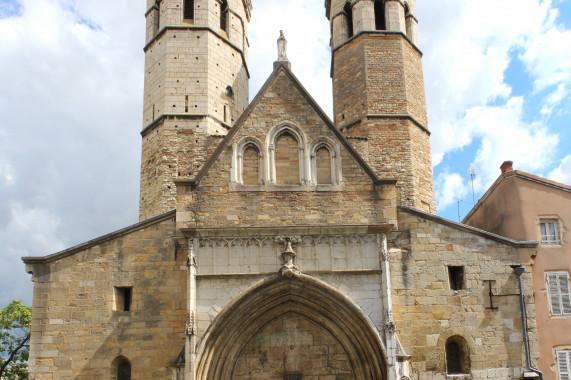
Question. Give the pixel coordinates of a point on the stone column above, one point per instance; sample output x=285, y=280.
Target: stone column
x=394, y=16
x=190, y=347
x=364, y=16
x=390, y=334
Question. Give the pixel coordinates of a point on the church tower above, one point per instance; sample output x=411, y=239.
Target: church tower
x=196, y=86
x=378, y=92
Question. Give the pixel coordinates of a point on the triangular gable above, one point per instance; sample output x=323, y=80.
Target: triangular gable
x=280, y=67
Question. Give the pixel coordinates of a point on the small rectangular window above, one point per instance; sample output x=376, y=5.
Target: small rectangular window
x=123, y=296
x=549, y=232
x=456, y=277
x=563, y=364
x=559, y=293
x=292, y=376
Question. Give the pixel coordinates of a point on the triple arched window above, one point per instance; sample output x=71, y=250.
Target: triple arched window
x=285, y=159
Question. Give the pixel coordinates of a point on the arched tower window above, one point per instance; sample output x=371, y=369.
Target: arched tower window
x=156, y=17
x=121, y=369
x=251, y=166
x=188, y=10
x=287, y=159
x=406, y=9
x=457, y=356
x=323, y=166
x=224, y=15
x=348, y=9
x=380, y=23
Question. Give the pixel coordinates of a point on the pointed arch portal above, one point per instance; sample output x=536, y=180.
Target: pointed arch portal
x=279, y=307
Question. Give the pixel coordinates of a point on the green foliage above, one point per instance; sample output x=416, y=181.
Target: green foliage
x=15, y=321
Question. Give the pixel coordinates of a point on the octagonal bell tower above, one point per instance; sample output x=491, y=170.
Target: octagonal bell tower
x=196, y=86
x=378, y=92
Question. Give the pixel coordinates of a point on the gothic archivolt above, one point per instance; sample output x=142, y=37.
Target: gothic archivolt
x=300, y=298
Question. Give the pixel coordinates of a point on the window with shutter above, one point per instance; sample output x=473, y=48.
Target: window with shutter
x=559, y=293
x=563, y=364
x=549, y=232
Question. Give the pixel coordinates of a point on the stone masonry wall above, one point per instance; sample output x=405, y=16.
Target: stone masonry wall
x=427, y=312
x=196, y=78
x=173, y=150
x=76, y=334
x=379, y=98
x=292, y=345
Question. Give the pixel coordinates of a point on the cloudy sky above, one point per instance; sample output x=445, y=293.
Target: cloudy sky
x=497, y=75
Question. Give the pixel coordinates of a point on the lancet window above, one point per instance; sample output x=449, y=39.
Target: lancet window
x=348, y=9
x=188, y=10
x=457, y=356
x=287, y=160
x=380, y=22
x=224, y=14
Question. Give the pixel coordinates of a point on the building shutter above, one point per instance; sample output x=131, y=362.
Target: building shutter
x=563, y=359
x=554, y=293
x=565, y=294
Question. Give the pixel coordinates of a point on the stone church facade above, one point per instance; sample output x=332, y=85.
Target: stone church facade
x=275, y=243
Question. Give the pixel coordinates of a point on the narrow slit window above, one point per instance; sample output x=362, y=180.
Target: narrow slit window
x=189, y=9
x=224, y=16
x=123, y=298
x=186, y=103
x=157, y=17
x=456, y=277
x=380, y=23
x=349, y=17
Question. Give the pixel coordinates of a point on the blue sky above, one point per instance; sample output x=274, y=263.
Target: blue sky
x=497, y=77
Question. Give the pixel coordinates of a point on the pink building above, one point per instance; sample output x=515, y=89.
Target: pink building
x=522, y=206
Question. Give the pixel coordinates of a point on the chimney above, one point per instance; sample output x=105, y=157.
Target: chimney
x=507, y=166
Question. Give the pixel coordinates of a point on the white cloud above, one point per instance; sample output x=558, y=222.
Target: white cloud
x=30, y=232
x=504, y=136
x=562, y=173
x=71, y=101
x=307, y=31
x=467, y=52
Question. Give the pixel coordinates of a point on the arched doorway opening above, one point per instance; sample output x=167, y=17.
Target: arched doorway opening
x=291, y=328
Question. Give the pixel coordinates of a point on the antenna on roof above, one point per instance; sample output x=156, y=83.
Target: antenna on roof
x=472, y=177
x=458, y=200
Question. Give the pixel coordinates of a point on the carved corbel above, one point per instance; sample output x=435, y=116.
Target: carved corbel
x=288, y=268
